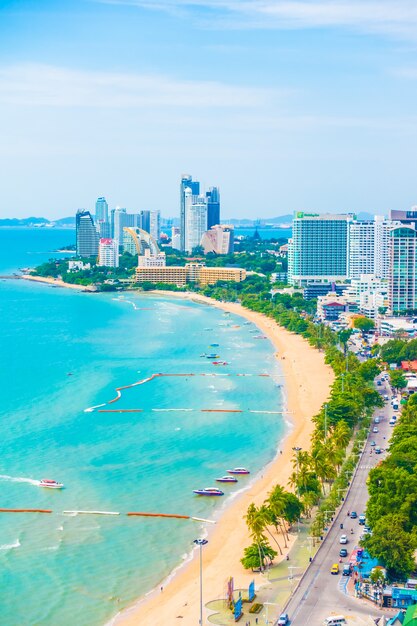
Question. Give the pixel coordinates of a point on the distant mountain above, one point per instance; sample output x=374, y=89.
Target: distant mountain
x=65, y=221
x=26, y=221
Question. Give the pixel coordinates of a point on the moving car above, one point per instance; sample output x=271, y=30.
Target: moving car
x=334, y=568
x=343, y=552
x=375, y=429
x=392, y=421
x=343, y=539
x=362, y=519
x=353, y=515
x=378, y=450
x=373, y=443
x=377, y=420
x=346, y=570
x=283, y=619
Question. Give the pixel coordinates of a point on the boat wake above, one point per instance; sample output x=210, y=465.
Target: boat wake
x=19, y=479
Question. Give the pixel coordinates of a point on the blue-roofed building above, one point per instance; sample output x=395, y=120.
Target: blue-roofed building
x=402, y=597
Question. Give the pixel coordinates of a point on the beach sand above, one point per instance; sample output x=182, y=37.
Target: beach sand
x=56, y=282
x=307, y=383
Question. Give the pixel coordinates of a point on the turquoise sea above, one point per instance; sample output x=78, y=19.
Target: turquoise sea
x=63, y=352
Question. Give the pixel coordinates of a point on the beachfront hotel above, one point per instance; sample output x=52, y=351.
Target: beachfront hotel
x=192, y=272
x=108, y=253
x=318, y=250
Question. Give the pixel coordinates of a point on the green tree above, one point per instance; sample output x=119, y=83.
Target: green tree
x=252, y=559
x=364, y=324
x=398, y=380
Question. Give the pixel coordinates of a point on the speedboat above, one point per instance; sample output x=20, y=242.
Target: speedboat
x=208, y=491
x=212, y=356
x=214, y=345
x=50, y=484
x=226, y=479
x=220, y=363
x=239, y=470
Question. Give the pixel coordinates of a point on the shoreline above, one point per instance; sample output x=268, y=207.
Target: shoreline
x=56, y=282
x=307, y=381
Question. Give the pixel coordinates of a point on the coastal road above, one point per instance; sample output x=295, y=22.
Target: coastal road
x=320, y=593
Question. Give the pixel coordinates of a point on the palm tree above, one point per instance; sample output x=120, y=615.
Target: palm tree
x=269, y=519
x=341, y=434
x=255, y=521
x=321, y=465
x=276, y=504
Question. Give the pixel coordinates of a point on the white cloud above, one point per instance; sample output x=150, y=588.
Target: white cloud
x=396, y=17
x=35, y=85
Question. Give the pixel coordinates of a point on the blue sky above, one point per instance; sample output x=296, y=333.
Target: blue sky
x=284, y=104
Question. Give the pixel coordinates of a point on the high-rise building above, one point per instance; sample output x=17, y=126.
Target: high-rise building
x=383, y=227
x=108, y=253
x=219, y=239
x=155, y=225
x=195, y=219
x=137, y=241
x=186, y=183
x=402, y=294
x=213, y=207
x=361, y=253
x=145, y=221
x=318, y=250
x=86, y=234
x=122, y=219
x=102, y=210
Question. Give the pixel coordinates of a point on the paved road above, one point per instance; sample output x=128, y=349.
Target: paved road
x=320, y=593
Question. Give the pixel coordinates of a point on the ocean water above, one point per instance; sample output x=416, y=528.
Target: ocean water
x=63, y=352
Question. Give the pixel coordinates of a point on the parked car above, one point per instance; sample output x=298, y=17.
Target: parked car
x=362, y=519
x=353, y=515
x=283, y=619
x=343, y=552
x=392, y=421
x=343, y=539
x=334, y=568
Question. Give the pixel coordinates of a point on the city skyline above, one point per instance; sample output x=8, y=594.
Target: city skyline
x=310, y=103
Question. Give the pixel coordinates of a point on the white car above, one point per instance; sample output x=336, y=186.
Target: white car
x=343, y=539
x=375, y=429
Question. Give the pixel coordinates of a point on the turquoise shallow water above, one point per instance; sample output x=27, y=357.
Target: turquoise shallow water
x=82, y=570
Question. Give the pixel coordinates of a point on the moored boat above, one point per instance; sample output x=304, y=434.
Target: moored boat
x=50, y=484
x=226, y=479
x=220, y=363
x=208, y=491
x=239, y=470
x=212, y=356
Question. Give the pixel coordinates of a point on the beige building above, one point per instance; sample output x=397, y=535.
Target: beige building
x=192, y=272
x=219, y=239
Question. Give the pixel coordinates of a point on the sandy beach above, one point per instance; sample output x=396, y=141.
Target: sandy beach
x=307, y=383
x=56, y=282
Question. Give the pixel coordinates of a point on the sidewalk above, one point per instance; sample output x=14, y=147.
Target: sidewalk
x=273, y=588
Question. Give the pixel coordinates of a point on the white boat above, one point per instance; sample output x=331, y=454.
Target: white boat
x=227, y=479
x=50, y=484
x=239, y=470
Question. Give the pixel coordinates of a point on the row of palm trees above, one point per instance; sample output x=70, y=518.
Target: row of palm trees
x=279, y=510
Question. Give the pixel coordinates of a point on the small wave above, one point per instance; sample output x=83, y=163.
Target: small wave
x=11, y=546
x=177, y=428
x=19, y=479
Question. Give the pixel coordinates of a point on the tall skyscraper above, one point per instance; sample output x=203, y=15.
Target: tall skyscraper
x=213, y=207
x=361, y=253
x=383, y=227
x=86, y=234
x=102, y=210
x=108, y=253
x=145, y=221
x=402, y=294
x=318, y=250
x=155, y=225
x=121, y=219
x=186, y=183
x=195, y=219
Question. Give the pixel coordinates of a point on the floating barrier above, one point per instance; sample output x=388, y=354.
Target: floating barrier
x=25, y=511
x=90, y=513
x=139, y=514
x=201, y=519
x=221, y=411
x=120, y=411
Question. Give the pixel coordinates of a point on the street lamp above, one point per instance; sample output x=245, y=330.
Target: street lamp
x=201, y=543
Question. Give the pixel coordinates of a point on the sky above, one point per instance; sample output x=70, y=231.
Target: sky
x=283, y=104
